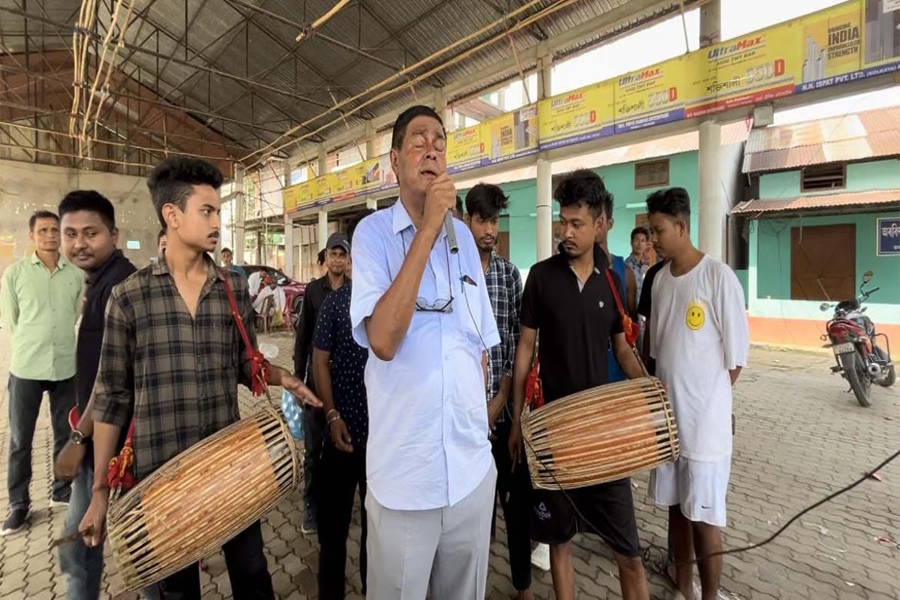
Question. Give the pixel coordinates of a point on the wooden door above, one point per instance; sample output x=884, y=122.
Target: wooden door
x=823, y=262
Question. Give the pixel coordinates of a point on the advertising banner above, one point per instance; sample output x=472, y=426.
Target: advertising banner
x=759, y=67
x=298, y=196
x=512, y=135
x=650, y=96
x=465, y=149
x=578, y=116
x=847, y=42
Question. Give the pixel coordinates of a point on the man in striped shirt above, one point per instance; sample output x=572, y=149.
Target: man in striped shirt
x=504, y=285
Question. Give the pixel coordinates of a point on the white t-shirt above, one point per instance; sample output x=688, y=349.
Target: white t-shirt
x=699, y=333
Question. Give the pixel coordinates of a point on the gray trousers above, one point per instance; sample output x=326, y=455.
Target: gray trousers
x=449, y=546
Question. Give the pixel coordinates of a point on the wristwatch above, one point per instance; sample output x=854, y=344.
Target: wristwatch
x=77, y=438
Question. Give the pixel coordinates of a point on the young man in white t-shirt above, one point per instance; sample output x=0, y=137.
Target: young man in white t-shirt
x=700, y=342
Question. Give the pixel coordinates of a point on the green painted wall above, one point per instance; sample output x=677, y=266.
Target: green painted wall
x=773, y=260
x=619, y=180
x=875, y=175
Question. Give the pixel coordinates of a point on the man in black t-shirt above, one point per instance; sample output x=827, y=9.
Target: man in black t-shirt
x=568, y=299
x=644, y=310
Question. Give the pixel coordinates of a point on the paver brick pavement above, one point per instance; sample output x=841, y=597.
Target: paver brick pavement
x=799, y=437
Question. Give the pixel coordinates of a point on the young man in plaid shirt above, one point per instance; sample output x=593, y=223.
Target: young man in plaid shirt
x=172, y=356
x=484, y=203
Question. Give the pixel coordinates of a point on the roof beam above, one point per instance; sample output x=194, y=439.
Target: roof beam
x=457, y=91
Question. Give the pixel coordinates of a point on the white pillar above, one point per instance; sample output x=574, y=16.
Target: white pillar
x=323, y=160
x=544, y=209
x=288, y=227
x=544, y=200
x=544, y=85
x=370, y=140
x=323, y=229
x=713, y=204
x=239, y=213
x=372, y=204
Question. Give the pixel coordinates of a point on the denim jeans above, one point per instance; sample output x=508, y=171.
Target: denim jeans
x=25, y=396
x=82, y=566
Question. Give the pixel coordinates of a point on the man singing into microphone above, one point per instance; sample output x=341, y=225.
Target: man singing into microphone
x=423, y=311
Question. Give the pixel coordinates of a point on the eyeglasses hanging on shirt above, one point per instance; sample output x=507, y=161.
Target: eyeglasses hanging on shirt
x=438, y=305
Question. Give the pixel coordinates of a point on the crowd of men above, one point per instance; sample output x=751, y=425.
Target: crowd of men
x=414, y=373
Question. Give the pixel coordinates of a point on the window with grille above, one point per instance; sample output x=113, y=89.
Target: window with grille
x=651, y=174
x=816, y=178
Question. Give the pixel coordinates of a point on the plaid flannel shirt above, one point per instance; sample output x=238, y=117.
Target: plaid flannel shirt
x=504, y=287
x=176, y=374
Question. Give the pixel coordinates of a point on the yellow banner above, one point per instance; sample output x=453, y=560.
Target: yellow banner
x=651, y=96
x=832, y=43
x=512, y=135
x=464, y=149
x=880, y=22
x=296, y=196
x=578, y=116
x=758, y=67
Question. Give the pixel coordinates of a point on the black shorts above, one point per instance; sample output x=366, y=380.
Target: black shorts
x=608, y=507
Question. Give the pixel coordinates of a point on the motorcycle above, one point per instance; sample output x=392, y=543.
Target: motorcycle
x=851, y=335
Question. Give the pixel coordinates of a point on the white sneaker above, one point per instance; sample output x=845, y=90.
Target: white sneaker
x=541, y=557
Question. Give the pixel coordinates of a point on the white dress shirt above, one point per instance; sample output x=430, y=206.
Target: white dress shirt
x=428, y=428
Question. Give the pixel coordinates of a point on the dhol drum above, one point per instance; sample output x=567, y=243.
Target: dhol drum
x=202, y=498
x=599, y=435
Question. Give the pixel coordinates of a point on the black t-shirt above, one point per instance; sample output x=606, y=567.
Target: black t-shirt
x=645, y=304
x=575, y=325
x=645, y=301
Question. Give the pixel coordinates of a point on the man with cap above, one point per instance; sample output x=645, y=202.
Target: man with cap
x=337, y=253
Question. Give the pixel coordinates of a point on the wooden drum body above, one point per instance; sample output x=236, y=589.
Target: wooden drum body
x=599, y=435
x=202, y=498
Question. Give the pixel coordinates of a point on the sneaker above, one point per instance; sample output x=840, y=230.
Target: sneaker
x=15, y=522
x=541, y=557
x=309, y=524
x=60, y=499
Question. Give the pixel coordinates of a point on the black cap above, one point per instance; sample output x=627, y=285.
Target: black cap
x=338, y=240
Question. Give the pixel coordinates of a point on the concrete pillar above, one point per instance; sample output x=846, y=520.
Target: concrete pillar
x=544, y=86
x=323, y=160
x=441, y=108
x=370, y=140
x=713, y=213
x=713, y=203
x=710, y=23
x=544, y=200
x=239, y=245
x=372, y=204
x=288, y=228
x=323, y=229
x=544, y=209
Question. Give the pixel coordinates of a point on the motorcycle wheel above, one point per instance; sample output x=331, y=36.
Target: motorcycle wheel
x=859, y=382
x=891, y=377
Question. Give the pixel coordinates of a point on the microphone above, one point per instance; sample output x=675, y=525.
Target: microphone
x=450, y=229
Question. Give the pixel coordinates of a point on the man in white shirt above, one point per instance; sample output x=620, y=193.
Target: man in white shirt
x=700, y=342
x=267, y=289
x=425, y=316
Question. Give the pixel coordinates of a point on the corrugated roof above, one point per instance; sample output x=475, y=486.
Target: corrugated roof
x=869, y=134
x=760, y=207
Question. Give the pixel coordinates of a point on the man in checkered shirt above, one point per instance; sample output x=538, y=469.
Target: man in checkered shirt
x=172, y=358
x=484, y=203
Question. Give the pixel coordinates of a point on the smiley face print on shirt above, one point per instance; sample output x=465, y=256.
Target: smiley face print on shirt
x=695, y=316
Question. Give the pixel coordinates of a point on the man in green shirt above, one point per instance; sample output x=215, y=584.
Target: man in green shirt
x=40, y=299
